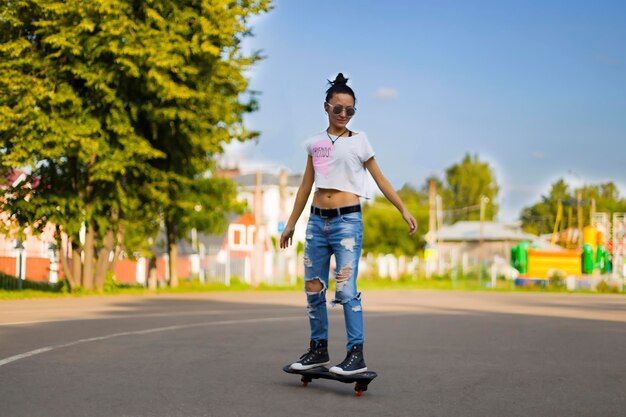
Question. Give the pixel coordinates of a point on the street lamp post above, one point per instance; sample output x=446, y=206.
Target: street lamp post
x=19, y=247
x=54, y=263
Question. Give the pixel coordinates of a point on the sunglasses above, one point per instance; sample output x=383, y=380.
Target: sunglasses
x=338, y=109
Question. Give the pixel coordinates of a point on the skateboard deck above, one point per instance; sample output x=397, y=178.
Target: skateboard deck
x=360, y=380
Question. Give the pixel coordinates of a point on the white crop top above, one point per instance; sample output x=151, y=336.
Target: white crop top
x=340, y=166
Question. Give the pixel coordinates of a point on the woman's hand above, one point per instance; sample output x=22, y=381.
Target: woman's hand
x=286, y=236
x=410, y=220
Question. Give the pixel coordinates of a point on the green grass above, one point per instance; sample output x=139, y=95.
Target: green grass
x=466, y=283
x=114, y=288
x=28, y=294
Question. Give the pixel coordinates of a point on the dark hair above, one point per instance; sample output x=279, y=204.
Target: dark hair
x=339, y=86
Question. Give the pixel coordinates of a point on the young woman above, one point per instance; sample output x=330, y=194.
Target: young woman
x=337, y=163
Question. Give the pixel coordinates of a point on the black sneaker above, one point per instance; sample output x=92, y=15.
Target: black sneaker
x=316, y=356
x=352, y=364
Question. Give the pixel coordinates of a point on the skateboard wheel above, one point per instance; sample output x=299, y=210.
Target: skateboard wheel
x=305, y=381
x=358, y=389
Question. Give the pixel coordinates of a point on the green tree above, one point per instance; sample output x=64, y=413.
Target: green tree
x=465, y=183
x=188, y=97
x=384, y=229
x=61, y=122
x=114, y=109
x=605, y=197
x=540, y=217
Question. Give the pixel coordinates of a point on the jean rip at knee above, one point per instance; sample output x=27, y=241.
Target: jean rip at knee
x=343, y=277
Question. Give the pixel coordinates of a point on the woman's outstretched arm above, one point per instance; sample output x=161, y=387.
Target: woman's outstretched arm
x=301, y=198
x=385, y=186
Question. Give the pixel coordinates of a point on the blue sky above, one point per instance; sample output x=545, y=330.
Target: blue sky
x=535, y=88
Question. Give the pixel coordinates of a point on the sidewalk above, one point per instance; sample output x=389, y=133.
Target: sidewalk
x=592, y=307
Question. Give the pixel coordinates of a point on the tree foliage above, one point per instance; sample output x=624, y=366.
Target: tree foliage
x=115, y=110
x=540, y=217
x=464, y=184
x=384, y=229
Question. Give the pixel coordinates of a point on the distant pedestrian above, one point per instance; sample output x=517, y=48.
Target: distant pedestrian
x=337, y=162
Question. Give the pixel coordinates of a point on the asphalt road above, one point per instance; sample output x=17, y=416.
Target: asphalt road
x=221, y=354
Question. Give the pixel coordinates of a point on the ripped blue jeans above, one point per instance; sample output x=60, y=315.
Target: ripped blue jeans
x=342, y=236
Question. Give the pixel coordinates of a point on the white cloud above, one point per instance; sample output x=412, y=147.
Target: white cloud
x=247, y=157
x=538, y=155
x=385, y=93
x=234, y=154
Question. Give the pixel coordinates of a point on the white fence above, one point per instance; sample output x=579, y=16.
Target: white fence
x=283, y=267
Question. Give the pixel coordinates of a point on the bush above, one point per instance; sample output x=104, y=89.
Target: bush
x=556, y=279
x=604, y=287
x=10, y=283
x=111, y=285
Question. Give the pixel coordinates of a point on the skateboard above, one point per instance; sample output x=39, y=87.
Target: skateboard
x=361, y=380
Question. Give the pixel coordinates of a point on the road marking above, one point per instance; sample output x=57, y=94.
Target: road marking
x=45, y=349
x=140, y=332
x=132, y=316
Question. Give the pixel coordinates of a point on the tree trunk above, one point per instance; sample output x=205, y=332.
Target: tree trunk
x=118, y=249
x=152, y=274
x=102, y=265
x=88, y=264
x=77, y=272
x=90, y=236
x=171, y=252
x=69, y=277
x=65, y=265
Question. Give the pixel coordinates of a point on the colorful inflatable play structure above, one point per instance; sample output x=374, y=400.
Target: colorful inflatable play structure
x=545, y=263
x=537, y=264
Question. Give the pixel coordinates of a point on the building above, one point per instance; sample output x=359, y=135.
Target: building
x=469, y=241
x=241, y=251
x=270, y=198
x=276, y=194
x=33, y=257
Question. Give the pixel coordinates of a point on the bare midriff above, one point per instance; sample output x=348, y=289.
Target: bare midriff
x=329, y=198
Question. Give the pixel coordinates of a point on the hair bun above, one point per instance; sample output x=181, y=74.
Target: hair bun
x=339, y=86
x=340, y=79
